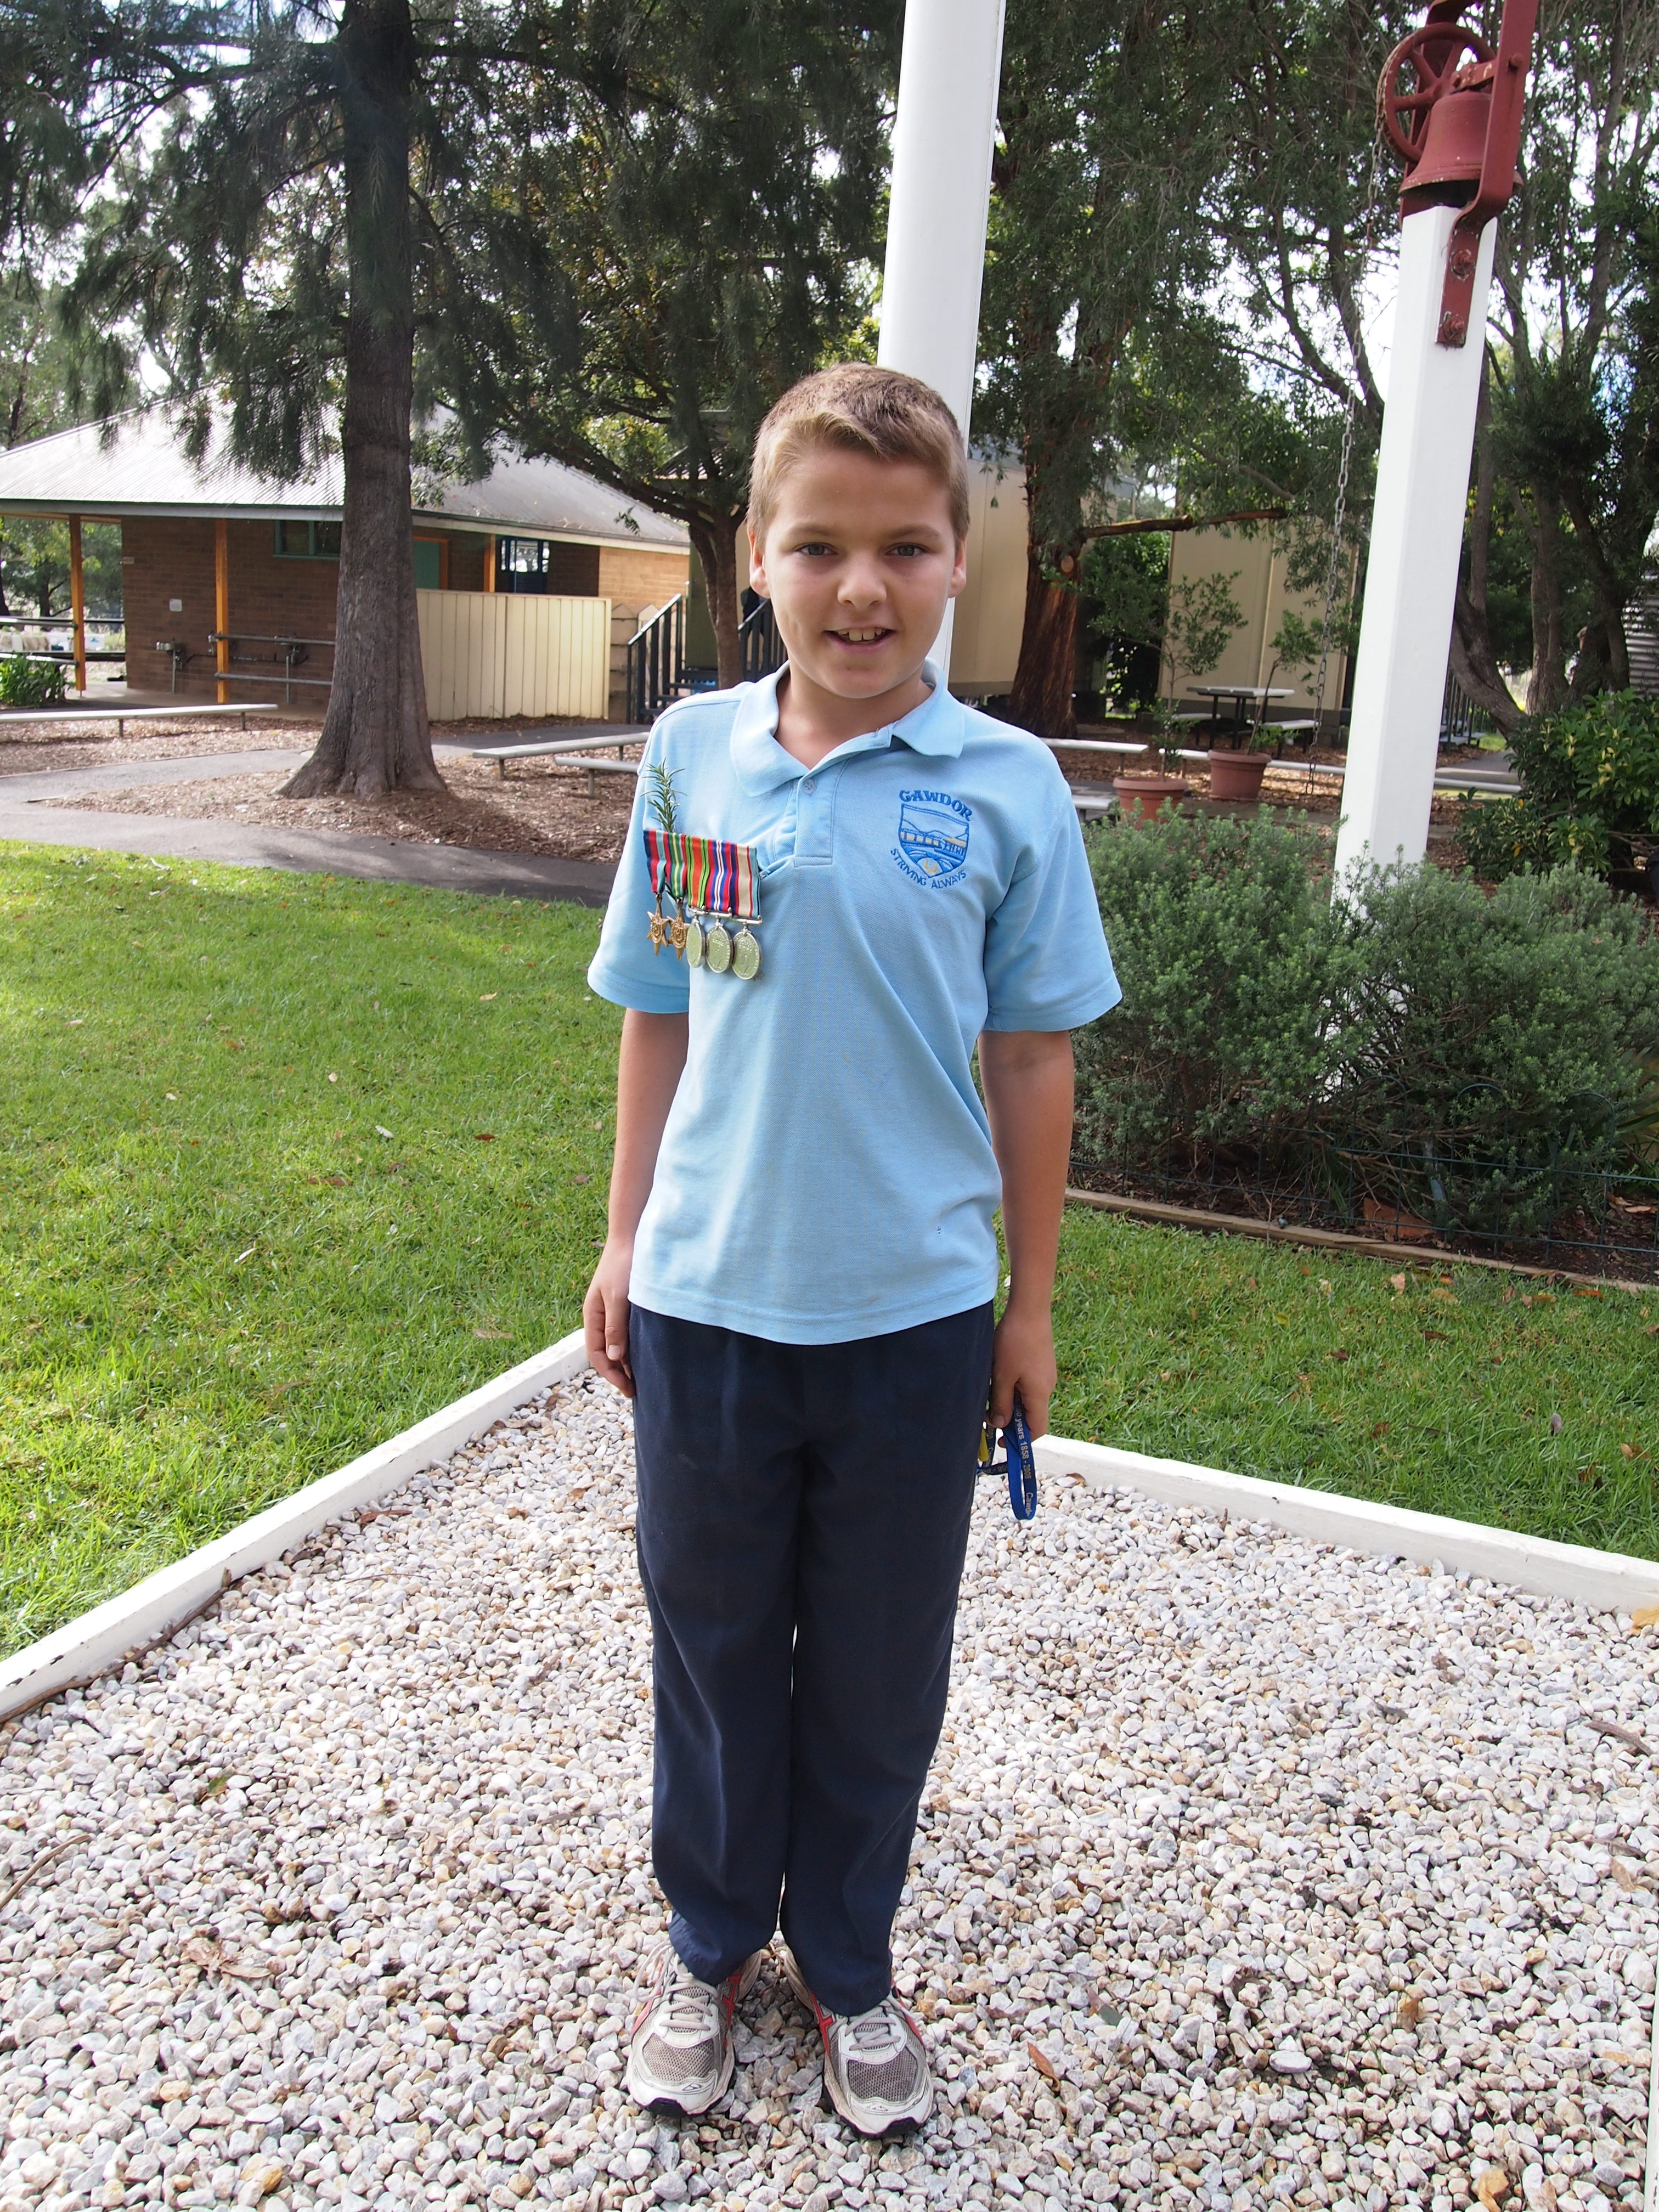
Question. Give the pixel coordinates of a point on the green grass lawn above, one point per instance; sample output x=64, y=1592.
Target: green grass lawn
x=220, y=1279
x=1489, y=1396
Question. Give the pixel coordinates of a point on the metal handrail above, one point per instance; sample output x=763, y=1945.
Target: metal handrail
x=295, y=650
x=758, y=640
x=656, y=662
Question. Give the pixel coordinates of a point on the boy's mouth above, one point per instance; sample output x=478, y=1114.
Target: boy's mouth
x=868, y=636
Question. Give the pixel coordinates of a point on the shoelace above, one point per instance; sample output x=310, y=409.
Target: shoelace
x=873, y=2034
x=689, y=2005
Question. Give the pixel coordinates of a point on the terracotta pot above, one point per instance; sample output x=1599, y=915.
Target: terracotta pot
x=1236, y=776
x=1141, y=797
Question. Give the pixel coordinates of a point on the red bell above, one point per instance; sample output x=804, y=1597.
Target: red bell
x=1448, y=170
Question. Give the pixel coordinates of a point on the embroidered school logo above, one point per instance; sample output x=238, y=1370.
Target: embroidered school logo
x=933, y=836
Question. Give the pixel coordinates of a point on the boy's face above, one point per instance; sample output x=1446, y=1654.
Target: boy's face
x=860, y=561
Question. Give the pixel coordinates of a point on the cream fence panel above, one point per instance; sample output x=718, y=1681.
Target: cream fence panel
x=496, y=654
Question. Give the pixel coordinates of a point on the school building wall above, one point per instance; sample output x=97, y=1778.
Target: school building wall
x=1253, y=561
x=166, y=559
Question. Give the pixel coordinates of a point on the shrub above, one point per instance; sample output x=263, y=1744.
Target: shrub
x=1500, y=1053
x=1589, y=779
x=1221, y=932
x=1481, y=1062
x=25, y=683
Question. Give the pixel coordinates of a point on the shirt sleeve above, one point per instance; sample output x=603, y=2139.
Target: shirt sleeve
x=1047, y=966
x=626, y=969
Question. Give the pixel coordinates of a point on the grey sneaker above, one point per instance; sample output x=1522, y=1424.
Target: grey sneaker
x=680, y=2058
x=875, y=2063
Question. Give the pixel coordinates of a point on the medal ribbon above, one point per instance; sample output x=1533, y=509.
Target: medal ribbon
x=711, y=875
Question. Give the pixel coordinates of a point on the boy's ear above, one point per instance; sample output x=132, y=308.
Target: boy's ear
x=757, y=565
x=959, y=570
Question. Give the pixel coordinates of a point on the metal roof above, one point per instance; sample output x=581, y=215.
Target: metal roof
x=135, y=465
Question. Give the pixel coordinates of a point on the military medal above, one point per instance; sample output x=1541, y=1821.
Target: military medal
x=710, y=882
x=657, y=929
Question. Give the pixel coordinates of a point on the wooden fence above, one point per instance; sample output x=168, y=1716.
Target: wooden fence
x=493, y=654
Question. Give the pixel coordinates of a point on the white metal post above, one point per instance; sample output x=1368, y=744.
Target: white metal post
x=943, y=136
x=1417, y=537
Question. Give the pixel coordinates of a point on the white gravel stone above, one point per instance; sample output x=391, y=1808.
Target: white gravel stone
x=1250, y=1872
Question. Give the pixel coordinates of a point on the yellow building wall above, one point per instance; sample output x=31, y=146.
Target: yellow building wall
x=991, y=611
x=1255, y=561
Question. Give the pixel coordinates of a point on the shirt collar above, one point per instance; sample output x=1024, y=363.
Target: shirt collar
x=760, y=763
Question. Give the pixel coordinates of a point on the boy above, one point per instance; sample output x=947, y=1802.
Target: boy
x=836, y=883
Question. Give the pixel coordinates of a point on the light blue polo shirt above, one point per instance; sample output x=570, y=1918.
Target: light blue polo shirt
x=826, y=1171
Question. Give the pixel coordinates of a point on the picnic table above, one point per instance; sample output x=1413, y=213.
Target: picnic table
x=1242, y=695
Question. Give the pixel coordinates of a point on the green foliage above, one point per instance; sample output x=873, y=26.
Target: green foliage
x=1204, y=617
x=1590, y=776
x=1220, y=935
x=1477, y=1061
x=25, y=683
x=1126, y=587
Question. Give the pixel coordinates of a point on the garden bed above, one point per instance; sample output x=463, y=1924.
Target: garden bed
x=1249, y=1871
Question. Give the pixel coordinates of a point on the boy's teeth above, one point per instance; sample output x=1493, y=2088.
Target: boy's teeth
x=860, y=636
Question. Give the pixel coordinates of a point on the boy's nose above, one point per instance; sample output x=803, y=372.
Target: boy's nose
x=861, y=585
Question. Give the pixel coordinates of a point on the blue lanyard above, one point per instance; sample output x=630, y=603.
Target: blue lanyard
x=1020, y=1462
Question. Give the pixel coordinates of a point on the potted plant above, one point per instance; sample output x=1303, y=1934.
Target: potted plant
x=1142, y=792
x=1203, y=615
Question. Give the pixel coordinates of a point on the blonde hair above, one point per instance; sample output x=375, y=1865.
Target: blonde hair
x=857, y=408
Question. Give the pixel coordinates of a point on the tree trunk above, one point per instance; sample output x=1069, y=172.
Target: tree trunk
x=1042, y=699
x=1548, y=688
x=375, y=737
x=1474, y=662
x=715, y=538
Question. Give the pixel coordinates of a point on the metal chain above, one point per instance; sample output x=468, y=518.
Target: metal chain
x=1367, y=242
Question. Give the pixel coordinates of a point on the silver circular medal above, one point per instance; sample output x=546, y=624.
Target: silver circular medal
x=717, y=948
x=694, y=942
x=745, y=956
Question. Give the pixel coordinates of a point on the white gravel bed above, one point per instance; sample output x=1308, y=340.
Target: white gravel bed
x=1252, y=1872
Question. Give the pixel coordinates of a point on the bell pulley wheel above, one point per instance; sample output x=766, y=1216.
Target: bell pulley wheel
x=1415, y=75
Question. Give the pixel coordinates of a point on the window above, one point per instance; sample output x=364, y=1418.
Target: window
x=537, y=564
x=308, y=541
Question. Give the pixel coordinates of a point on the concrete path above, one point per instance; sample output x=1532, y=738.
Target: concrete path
x=248, y=845
x=131, y=775
x=311, y=852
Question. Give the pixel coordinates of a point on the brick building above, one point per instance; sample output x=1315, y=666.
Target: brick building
x=229, y=578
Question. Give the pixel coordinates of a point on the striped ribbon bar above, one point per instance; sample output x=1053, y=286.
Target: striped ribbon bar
x=712, y=876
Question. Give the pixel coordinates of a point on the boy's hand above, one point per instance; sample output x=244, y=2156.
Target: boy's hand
x=604, y=1316
x=1023, y=1360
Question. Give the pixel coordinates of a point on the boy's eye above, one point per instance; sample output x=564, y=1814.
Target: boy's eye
x=814, y=546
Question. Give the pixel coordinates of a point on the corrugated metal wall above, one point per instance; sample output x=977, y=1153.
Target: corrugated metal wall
x=493, y=654
x=1642, y=636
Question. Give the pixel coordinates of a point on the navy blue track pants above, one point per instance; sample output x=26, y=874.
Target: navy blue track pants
x=803, y=1519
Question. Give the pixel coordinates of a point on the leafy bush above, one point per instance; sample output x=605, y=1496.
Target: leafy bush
x=1498, y=1055
x=1477, y=1061
x=1219, y=930
x=25, y=683
x=1589, y=779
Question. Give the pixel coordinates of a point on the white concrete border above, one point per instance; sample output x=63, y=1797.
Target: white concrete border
x=1611, y=1581
x=101, y=1639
